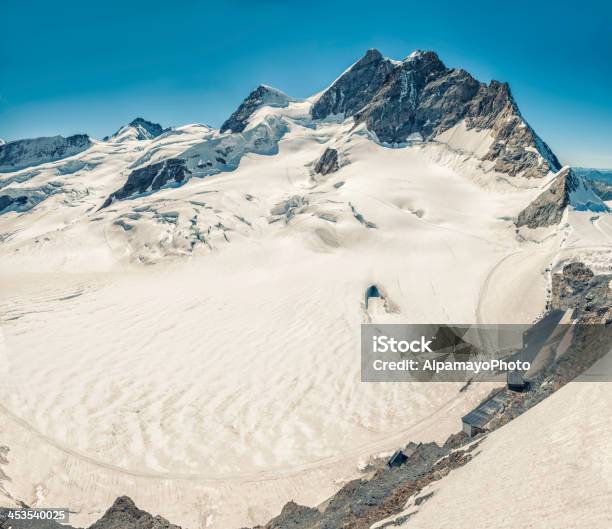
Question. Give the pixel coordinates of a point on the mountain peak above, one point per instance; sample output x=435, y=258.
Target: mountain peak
x=263, y=95
x=124, y=514
x=429, y=55
x=138, y=129
x=566, y=189
x=154, y=128
x=355, y=87
x=371, y=55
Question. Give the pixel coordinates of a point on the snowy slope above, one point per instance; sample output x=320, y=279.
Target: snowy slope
x=555, y=465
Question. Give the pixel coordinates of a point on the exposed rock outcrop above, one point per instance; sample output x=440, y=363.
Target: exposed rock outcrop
x=25, y=198
x=125, y=515
x=18, y=154
x=328, y=163
x=566, y=189
x=589, y=295
x=355, y=88
x=147, y=129
x=151, y=178
x=362, y=502
x=7, y=201
x=138, y=129
x=262, y=96
x=294, y=516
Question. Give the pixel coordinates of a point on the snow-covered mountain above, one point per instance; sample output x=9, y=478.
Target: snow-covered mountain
x=138, y=129
x=600, y=180
x=262, y=96
x=196, y=293
x=18, y=154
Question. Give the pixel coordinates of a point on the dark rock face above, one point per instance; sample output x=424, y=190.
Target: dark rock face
x=355, y=88
x=151, y=178
x=578, y=288
x=147, y=128
x=421, y=96
x=294, y=516
x=18, y=154
x=7, y=201
x=144, y=130
x=547, y=209
x=360, y=503
x=125, y=515
x=328, y=163
x=261, y=96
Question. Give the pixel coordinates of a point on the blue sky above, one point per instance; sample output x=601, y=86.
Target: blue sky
x=75, y=66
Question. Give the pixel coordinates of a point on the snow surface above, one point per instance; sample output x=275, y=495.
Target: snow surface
x=548, y=469
x=223, y=380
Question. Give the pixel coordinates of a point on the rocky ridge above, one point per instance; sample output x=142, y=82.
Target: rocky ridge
x=18, y=154
x=139, y=129
x=123, y=514
x=262, y=96
x=151, y=178
x=566, y=189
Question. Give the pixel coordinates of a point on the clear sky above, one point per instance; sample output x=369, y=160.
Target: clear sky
x=82, y=66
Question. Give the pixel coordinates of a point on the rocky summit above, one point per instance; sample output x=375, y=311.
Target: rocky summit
x=262, y=96
x=124, y=514
x=355, y=88
x=421, y=97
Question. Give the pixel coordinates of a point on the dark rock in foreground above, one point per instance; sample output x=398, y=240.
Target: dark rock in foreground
x=355, y=87
x=18, y=154
x=328, y=163
x=547, y=209
x=151, y=178
x=578, y=288
x=125, y=515
x=294, y=516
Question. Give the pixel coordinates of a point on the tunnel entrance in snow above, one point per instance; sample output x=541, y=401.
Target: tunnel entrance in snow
x=371, y=292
